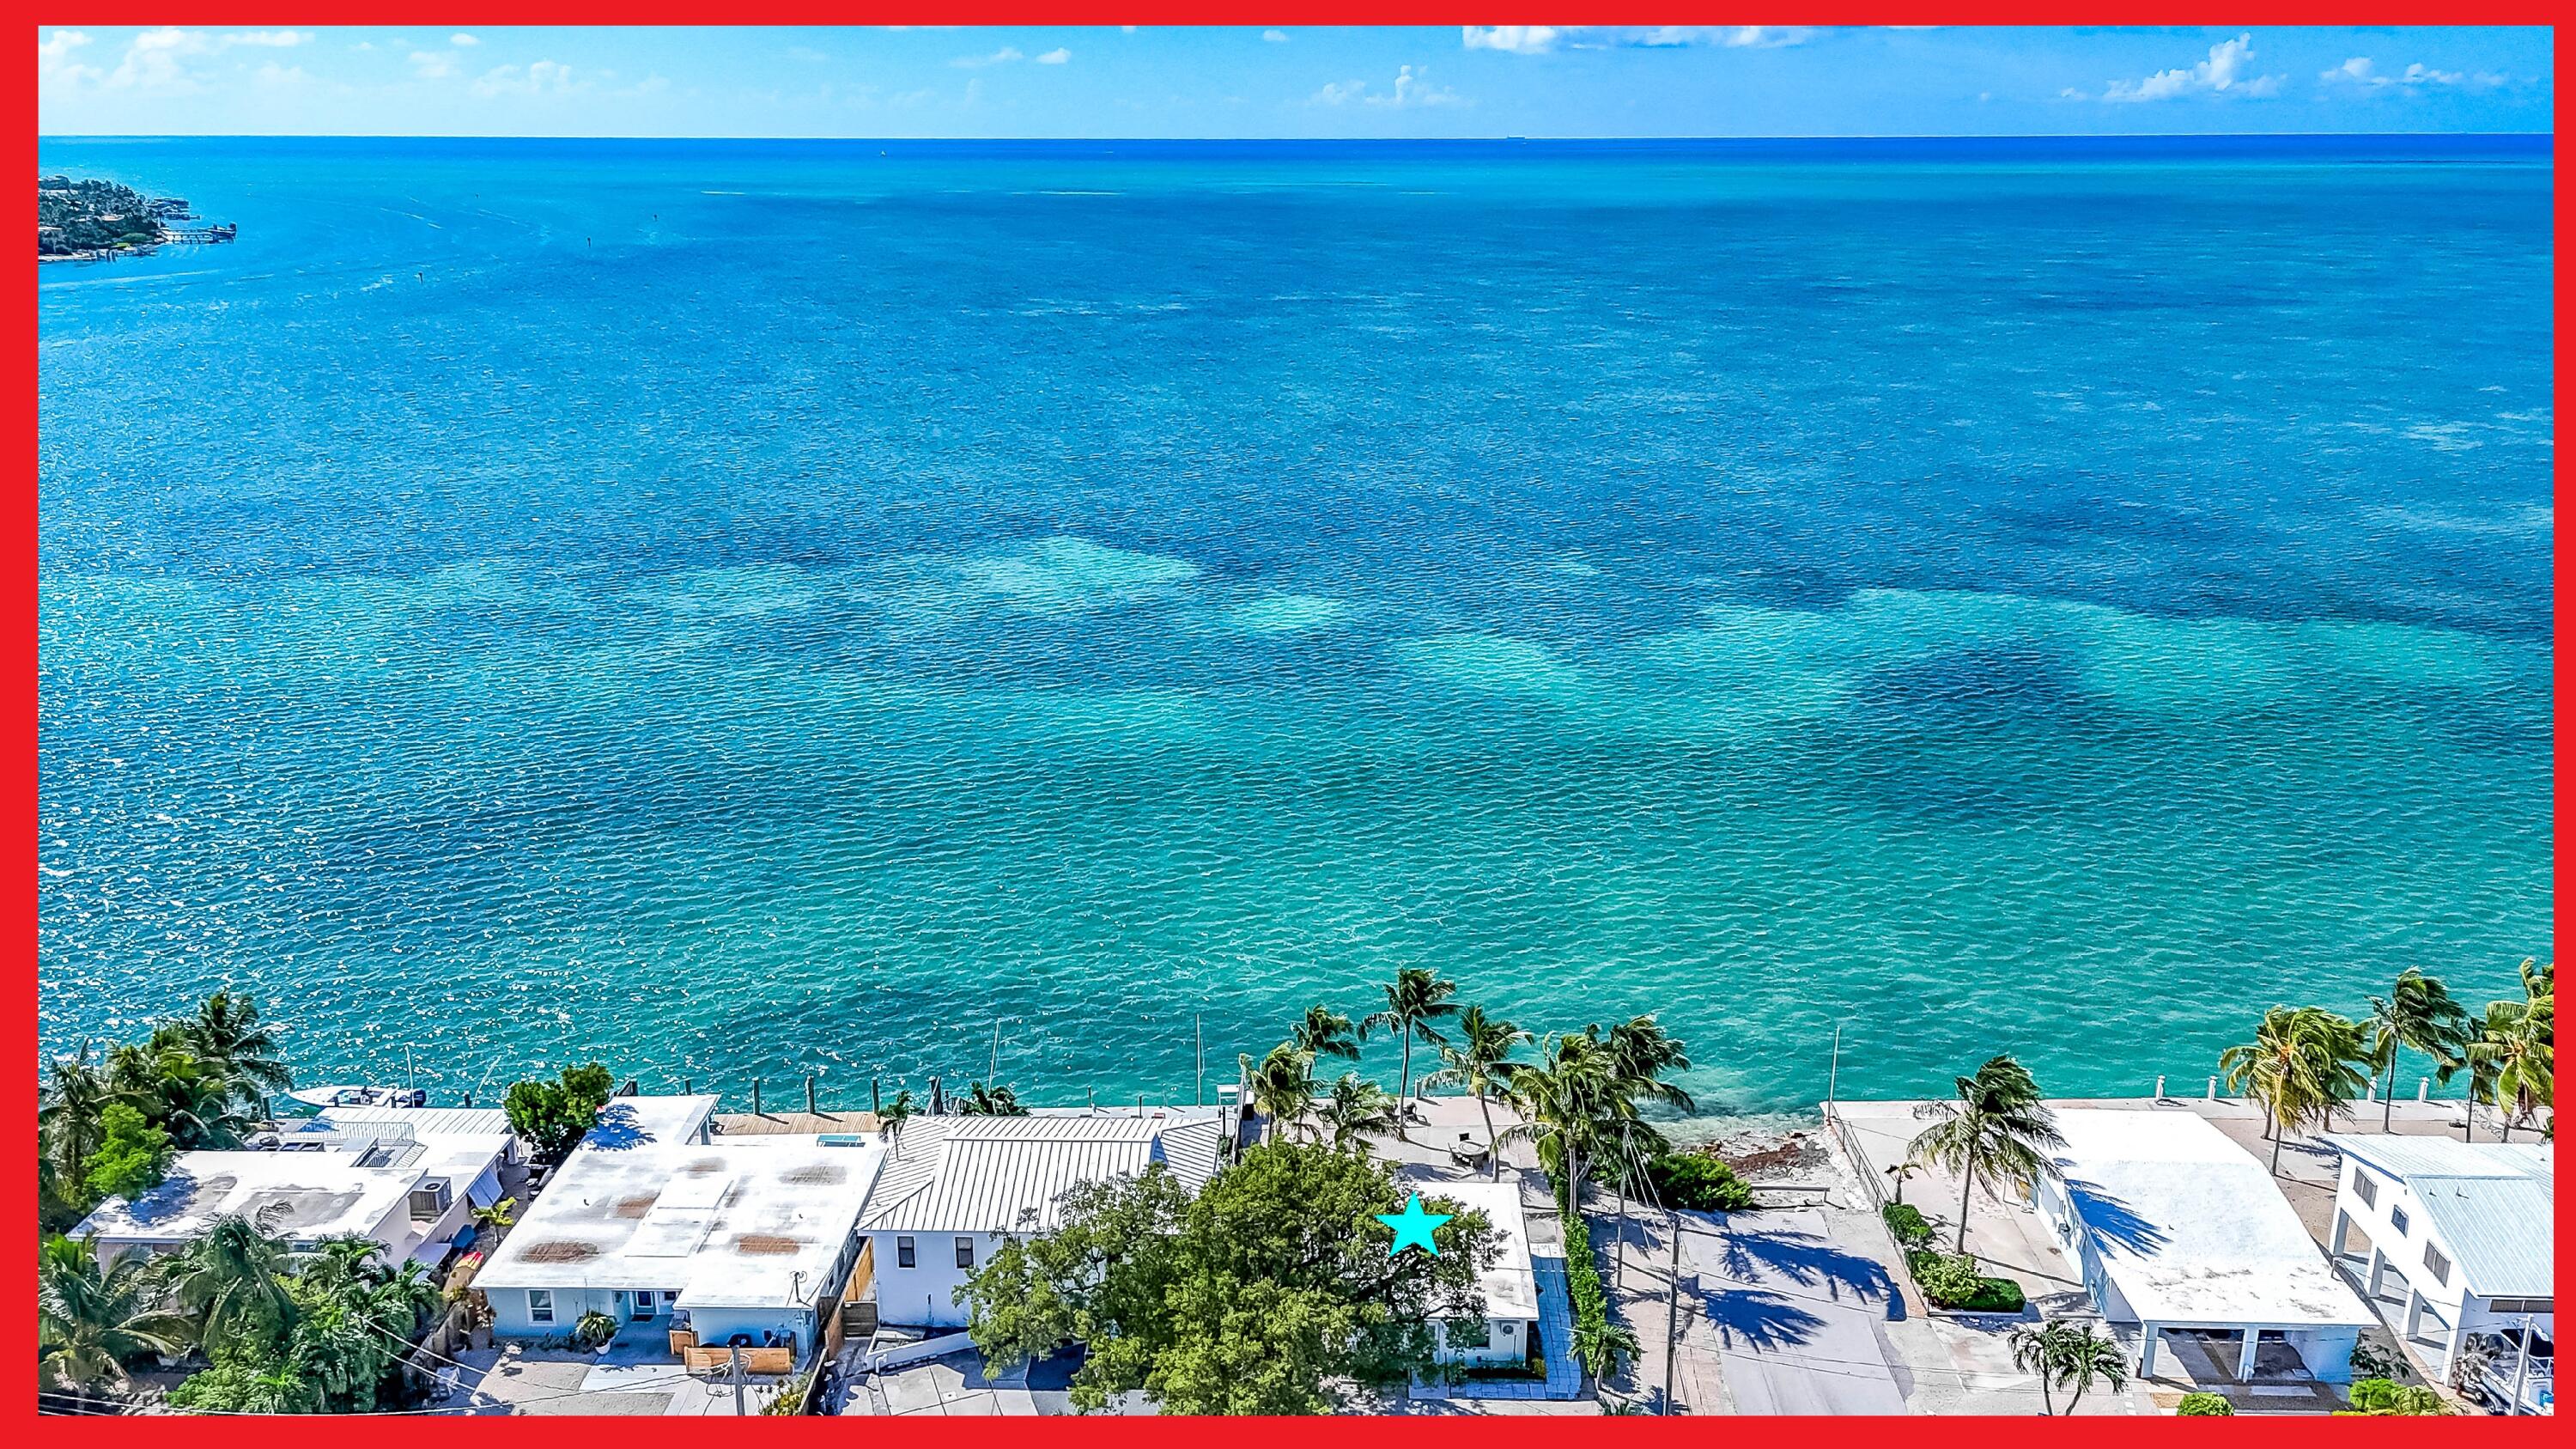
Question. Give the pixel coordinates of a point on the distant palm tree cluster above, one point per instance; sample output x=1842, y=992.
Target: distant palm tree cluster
x=1579, y=1100
x=108, y=1126
x=2306, y=1063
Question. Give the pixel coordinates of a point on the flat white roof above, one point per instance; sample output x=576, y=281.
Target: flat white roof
x=296, y=1195
x=2191, y=1228
x=1511, y=1285
x=646, y=1121
x=723, y=1224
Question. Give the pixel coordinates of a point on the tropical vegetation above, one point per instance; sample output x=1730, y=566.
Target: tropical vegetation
x=1480, y=1063
x=1996, y=1130
x=2303, y=1064
x=1269, y=1292
x=2512, y=1058
x=1698, y=1182
x=108, y=1123
x=1417, y=1000
x=2382, y=1397
x=2204, y=1405
x=2417, y=1013
x=983, y=1101
x=553, y=1117
x=2068, y=1356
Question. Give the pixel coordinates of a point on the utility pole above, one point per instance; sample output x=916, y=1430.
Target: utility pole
x=1834, y=1068
x=1619, y=1225
x=737, y=1383
x=2521, y=1367
x=1672, y=1312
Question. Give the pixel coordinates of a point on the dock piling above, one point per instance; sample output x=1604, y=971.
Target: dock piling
x=809, y=1094
x=755, y=1097
x=876, y=1094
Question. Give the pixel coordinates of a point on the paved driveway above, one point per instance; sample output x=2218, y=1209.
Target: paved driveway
x=1796, y=1316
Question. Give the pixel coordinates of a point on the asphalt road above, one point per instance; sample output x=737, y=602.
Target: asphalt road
x=1795, y=1315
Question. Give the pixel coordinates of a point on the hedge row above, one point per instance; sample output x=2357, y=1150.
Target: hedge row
x=1948, y=1280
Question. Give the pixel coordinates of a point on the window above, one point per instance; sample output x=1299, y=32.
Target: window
x=2397, y=1220
x=2365, y=1187
x=1465, y=1333
x=965, y=1252
x=541, y=1305
x=903, y=1252
x=2435, y=1263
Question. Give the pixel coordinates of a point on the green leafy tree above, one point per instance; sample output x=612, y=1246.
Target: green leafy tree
x=1417, y=1000
x=2086, y=1358
x=2512, y=1061
x=1354, y=1108
x=1480, y=1061
x=197, y=1105
x=554, y=1116
x=1998, y=1129
x=1282, y=1088
x=226, y=1035
x=132, y=1157
x=233, y=1280
x=70, y=1120
x=2417, y=1012
x=1271, y=1292
x=1324, y=1032
x=351, y=1319
x=92, y=1321
x=2303, y=1064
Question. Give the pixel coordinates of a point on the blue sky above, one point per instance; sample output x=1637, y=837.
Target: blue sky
x=1294, y=82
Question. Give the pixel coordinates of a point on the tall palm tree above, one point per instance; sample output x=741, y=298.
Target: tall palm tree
x=174, y=1091
x=1481, y=1061
x=1570, y=1104
x=1282, y=1088
x=234, y=1281
x=897, y=1110
x=92, y=1320
x=2512, y=1063
x=2035, y=1351
x=226, y=1035
x=2418, y=1012
x=2085, y=1356
x=983, y=1101
x=1997, y=1129
x=1355, y=1108
x=1324, y=1032
x=2303, y=1063
x=1415, y=1001
x=1641, y=1051
x=67, y=1114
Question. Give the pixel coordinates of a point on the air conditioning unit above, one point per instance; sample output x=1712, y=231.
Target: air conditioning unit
x=431, y=1199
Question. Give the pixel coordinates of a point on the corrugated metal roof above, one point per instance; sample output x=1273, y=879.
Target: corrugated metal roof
x=1009, y=1174
x=2493, y=1203
x=426, y=1121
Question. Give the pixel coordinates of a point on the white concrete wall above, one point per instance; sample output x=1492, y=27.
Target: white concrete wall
x=2326, y=1351
x=2404, y=1252
x=1507, y=1342
x=923, y=1295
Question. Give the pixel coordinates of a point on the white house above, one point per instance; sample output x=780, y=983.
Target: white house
x=728, y=1238
x=955, y=1187
x=2460, y=1233
x=1509, y=1287
x=409, y=1185
x=2179, y=1230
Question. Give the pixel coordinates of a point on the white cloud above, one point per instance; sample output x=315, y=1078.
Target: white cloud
x=433, y=64
x=273, y=74
x=1275, y=37
x=1003, y=56
x=1541, y=39
x=274, y=39
x=154, y=59
x=1057, y=56
x=1410, y=90
x=2225, y=72
x=460, y=40
x=2360, y=71
x=539, y=78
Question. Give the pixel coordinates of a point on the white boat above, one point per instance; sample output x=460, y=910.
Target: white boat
x=357, y=1096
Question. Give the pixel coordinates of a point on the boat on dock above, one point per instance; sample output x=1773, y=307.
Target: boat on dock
x=360, y=1096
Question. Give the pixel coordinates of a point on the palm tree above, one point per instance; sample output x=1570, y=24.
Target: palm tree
x=2034, y=1351
x=1415, y=999
x=982, y=1101
x=2418, y=1012
x=67, y=1116
x=1282, y=1087
x=234, y=1280
x=179, y=1094
x=1598, y=1347
x=1998, y=1128
x=1570, y=1103
x=2301, y=1065
x=2512, y=1062
x=893, y=1115
x=90, y=1320
x=2085, y=1356
x=1325, y=1032
x=226, y=1035
x=1481, y=1062
x=1356, y=1107
x=1641, y=1051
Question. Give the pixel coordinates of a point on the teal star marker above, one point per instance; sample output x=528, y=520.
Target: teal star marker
x=1413, y=1227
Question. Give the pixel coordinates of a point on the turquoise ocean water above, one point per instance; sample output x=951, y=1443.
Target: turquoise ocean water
x=741, y=610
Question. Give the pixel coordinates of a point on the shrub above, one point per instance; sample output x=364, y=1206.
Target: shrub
x=1951, y=1280
x=2199, y=1405
x=2380, y=1396
x=132, y=1155
x=593, y=1330
x=1906, y=1223
x=790, y=1398
x=553, y=1116
x=1697, y=1182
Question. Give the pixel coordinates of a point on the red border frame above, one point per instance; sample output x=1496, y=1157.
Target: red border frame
x=19, y=616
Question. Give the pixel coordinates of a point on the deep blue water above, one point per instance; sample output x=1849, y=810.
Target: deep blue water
x=737, y=609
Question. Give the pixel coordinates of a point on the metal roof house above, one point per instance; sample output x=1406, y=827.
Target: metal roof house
x=2457, y=1242
x=2176, y=1228
x=955, y=1187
